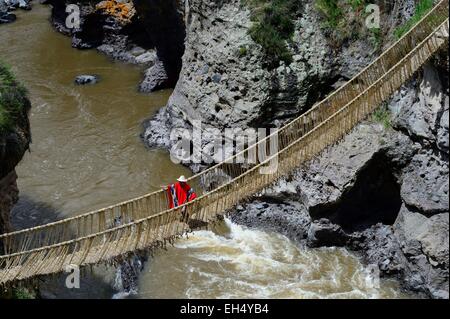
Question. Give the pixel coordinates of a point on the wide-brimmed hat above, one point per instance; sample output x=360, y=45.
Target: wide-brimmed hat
x=182, y=179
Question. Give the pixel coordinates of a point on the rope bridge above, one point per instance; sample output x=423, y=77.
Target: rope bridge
x=147, y=222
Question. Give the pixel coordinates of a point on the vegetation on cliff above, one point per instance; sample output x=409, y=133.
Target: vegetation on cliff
x=19, y=293
x=382, y=115
x=13, y=99
x=422, y=9
x=343, y=20
x=331, y=12
x=273, y=25
x=15, y=135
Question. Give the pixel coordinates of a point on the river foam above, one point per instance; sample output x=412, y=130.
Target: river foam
x=237, y=262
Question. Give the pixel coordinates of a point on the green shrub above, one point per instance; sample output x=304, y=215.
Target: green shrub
x=382, y=115
x=331, y=11
x=23, y=293
x=273, y=26
x=356, y=4
x=12, y=98
x=242, y=51
x=422, y=9
x=5, y=119
x=376, y=38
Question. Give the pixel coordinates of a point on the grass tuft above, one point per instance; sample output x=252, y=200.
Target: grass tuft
x=331, y=12
x=422, y=9
x=382, y=115
x=23, y=293
x=273, y=26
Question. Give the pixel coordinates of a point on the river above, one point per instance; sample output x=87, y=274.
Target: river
x=86, y=154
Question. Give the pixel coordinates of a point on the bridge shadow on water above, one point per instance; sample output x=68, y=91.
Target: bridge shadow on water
x=30, y=213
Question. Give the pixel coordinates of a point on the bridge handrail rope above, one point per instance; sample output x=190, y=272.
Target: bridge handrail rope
x=160, y=196
x=342, y=110
x=144, y=231
x=315, y=108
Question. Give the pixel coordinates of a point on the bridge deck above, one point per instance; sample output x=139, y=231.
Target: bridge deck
x=147, y=221
x=44, y=264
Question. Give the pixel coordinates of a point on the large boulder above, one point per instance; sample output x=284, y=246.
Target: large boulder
x=418, y=111
x=155, y=78
x=226, y=80
x=380, y=247
x=425, y=243
x=285, y=217
x=356, y=183
x=324, y=233
x=425, y=183
x=17, y=4
x=5, y=15
x=86, y=79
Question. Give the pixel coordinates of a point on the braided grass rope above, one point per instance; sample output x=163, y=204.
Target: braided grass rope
x=146, y=221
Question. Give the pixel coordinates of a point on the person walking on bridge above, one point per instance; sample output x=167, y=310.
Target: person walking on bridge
x=180, y=193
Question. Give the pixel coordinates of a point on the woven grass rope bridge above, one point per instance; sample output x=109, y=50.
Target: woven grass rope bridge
x=148, y=223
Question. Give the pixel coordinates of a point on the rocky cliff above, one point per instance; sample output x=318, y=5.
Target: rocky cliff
x=147, y=33
x=15, y=137
x=226, y=80
x=8, y=6
x=221, y=76
x=382, y=192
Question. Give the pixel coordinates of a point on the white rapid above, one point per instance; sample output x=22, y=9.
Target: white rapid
x=236, y=262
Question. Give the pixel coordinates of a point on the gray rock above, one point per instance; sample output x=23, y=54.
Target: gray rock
x=221, y=87
x=86, y=79
x=400, y=150
x=442, y=135
x=156, y=131
x=426, y=183
x=324, y=233
x=401, y=100
x=419, y=110
x=137, y=51
x=425, y=243
x=117, y=48
x=155, y=78
x=216, y=78
x=6, y=17
x=380, y=247
x=421, y=234
x=24, y=4
x=148, y=57
x=287, y=218
x=18, y=4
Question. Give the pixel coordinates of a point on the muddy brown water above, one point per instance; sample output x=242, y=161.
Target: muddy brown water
x=86, y=154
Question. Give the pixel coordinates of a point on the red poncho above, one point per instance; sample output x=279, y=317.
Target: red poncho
x=180, y=193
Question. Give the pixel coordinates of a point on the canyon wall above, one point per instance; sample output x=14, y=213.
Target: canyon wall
x=147, y=33
x=382, y=192
x=15, y=137
x=226, y=79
